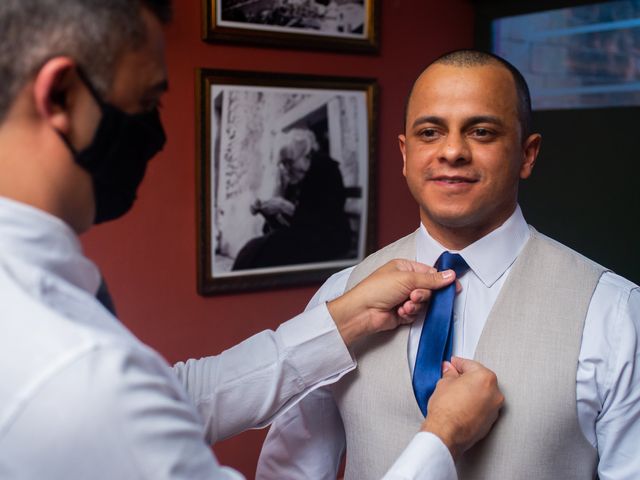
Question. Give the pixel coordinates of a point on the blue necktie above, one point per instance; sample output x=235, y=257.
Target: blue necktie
x=436, y=338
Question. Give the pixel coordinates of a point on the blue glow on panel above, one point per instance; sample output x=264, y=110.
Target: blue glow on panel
x=580, y=57
x=596, y=27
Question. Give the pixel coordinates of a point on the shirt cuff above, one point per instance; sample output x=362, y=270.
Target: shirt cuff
x=315, y=347
x=425, y=458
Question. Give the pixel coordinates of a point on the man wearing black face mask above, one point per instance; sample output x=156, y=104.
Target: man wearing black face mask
x=118, y=154
x=80, y=396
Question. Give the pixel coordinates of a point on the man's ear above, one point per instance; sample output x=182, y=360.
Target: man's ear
x=403, y=149
x=530, y=149
x=53, y=92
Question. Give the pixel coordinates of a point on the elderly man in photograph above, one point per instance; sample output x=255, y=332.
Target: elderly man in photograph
x=560, y=331
x=305, y=221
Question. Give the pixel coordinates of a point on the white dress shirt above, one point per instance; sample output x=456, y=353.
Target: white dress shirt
x=308, y=440
x=82, y=398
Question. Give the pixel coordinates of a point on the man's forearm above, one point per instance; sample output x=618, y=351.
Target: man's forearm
x=247, y=385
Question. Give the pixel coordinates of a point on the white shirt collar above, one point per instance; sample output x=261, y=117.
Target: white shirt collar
x=33, y=237
x=489, y=257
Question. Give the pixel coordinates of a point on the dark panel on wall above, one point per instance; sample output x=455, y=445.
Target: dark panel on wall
x=488, y=10
x=585, y=189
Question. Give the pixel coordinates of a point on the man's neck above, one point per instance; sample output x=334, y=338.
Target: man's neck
x=457, y=238
x=36, y=169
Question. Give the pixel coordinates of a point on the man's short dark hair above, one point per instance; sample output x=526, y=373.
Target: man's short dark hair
x=474, y=58
x=94, y=33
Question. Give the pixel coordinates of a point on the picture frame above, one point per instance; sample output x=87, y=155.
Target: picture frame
x=335, y=25
x=285, y=178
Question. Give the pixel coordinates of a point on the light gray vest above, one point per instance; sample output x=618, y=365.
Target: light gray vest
x=531, y=340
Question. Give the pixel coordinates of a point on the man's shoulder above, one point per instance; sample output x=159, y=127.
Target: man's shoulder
x=609, y=279
x=331, y=289
x=88, y=376
x=404, y=247
x=557, y=249
x=43, y=348
x=42, y=332
x=323, y=165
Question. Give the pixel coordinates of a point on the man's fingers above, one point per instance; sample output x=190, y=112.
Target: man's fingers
x=429, y=280
x=408, y=308
x=420, y=295
x=449, y=371
x=483, y=376
x=417, y=267
x=410, y=311
x=464, y=365
x=418, y=276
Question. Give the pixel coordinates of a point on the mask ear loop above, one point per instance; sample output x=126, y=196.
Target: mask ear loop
x=66, y=141
x=96, y=96
x=92, y=89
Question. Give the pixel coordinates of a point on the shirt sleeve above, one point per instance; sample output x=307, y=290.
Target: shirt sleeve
x=249, y=384
x=611, y=361
x=307, y=441
x=425, y=458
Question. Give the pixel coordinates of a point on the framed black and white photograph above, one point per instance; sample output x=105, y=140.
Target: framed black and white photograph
x=342, y=25
x=285, y=178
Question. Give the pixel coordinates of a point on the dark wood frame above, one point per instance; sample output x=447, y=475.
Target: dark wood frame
x=213, y=32
x=205, y=78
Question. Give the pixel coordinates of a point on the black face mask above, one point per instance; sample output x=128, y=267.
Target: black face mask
x=118, y=155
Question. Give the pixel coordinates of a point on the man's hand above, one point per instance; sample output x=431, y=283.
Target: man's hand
x=394, y=294
x=464, y=406
x=277, y=205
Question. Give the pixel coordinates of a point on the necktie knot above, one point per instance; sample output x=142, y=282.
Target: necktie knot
x=452, y=261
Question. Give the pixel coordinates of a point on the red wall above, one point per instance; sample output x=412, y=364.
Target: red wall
x=149, y=257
